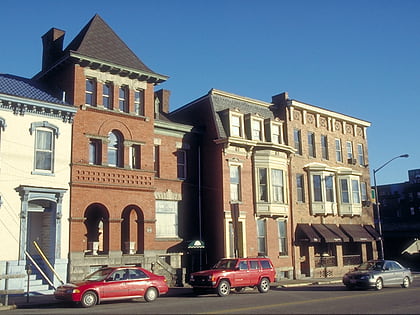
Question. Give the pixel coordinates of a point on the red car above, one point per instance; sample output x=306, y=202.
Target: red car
x=113, y=283
x=237, y=273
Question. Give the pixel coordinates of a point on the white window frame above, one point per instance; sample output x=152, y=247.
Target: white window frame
x=350, y=201
x=349, y=147
x=257, y=129
x=235, y=182
x=236, y=125
x=360, y=154
x=323, y=205
x=41, y=150
x=262, y=236
x=90, y=93
x=276, y=133
x=139, y=96
x=338, y=151
x=107, y=97
x=167, y=219
x=123, y=92
x=282, y=237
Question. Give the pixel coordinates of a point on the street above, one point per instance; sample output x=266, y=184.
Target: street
x=316, y=299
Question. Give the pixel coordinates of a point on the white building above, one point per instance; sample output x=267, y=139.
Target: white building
x=35, y=153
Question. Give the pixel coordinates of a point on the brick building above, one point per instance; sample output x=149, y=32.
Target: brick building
x=126, y=188
x=284, y=179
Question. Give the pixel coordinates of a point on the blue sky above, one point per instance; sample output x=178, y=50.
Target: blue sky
x=359, y=57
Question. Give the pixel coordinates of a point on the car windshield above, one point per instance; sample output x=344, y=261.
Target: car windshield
x=99, y=275
x=371, y=265
x=226, y=264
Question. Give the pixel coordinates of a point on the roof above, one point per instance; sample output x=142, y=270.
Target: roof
x=357, y=233
x=99, y=41
x=26, y=88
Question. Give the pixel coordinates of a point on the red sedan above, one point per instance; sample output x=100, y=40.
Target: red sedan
x=113, y=283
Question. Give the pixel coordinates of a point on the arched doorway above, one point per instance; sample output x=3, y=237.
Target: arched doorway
x=97, y=229
x=132, y=230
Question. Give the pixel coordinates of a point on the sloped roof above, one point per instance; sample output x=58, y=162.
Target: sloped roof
x=26, y=88
x=99, y=41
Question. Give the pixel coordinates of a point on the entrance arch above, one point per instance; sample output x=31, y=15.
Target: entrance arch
x=132, y=230
x=97, y=229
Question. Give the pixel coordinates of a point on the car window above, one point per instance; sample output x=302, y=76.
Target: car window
x=265, y=264
x=395, y=266
x=99, y=275
x=388, y=266
x=243, y=265
x=119, y=275
x=254, y=264
x=136, y=274
x=226, y=264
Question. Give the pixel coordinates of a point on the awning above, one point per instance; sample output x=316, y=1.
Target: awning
x=305, y=233
x=336, y=230
x=196, y=244
x=326, y=234
x=357, y=233
x=373, y=232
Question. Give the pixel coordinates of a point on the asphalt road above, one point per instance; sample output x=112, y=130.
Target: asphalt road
x=320, y=299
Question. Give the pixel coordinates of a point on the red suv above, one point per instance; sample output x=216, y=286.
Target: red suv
x=236, y=273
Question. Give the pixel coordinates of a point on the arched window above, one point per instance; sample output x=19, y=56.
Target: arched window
x=115, y=149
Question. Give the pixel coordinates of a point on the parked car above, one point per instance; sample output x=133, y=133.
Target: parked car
x=113, y=283
x=377, y=274
x=237, y=273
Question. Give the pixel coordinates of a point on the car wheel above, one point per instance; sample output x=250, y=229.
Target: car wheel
x=151, y=294
x=89, y=299
x=223, y=289
x=379, y=284
x=406, y=282
x=239, y=289
x=264, y=285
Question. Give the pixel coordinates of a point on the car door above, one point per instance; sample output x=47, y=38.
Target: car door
x=115, y=285
x=388, y=274
x=398, y=273
x=137, y=282
x=241, y=275
x=254, y=272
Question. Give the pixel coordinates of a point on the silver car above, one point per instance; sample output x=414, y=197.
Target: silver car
x=377, y=274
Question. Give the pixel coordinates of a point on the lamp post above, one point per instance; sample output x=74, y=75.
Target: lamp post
x=381, y=241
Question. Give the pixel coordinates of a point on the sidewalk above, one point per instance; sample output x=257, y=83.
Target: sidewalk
x=34, y=301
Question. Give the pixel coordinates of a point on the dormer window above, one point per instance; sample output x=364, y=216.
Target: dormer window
x=257, y=129
x=236, y=125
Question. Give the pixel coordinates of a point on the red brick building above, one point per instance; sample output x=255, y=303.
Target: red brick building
x=283, y=179
x=129, y=162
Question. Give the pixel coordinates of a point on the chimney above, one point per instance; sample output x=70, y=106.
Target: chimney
x=163, y=97
x=52, y=42
x=280, y=99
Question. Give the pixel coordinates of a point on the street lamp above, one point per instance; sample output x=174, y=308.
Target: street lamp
x=381, y=241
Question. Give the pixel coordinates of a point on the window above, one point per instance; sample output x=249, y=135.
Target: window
x=122, y=99
x=90, y=92
x=311, y=144
x=235, y=183
x=276, y=136
x=300, y=188
x=115, y=149
x=107, y=95
x=262, y=183
x=156, y=160
x=166, y=218
x=95, y=151
x=256, y=126
x=329, y=188
x=324, y=147
x=181, y=162
x=360, y=154
x=349, y=146
x=338, y=154
x=316, y=181
x=344, y=191
x=135, y=156
x=363, y=191
x=277, y=185
x=139, y=102
x=261, y=236
x=44, y=149
x=355, y=190
x=297, y=141
x=282, y=235
x=236, y=126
